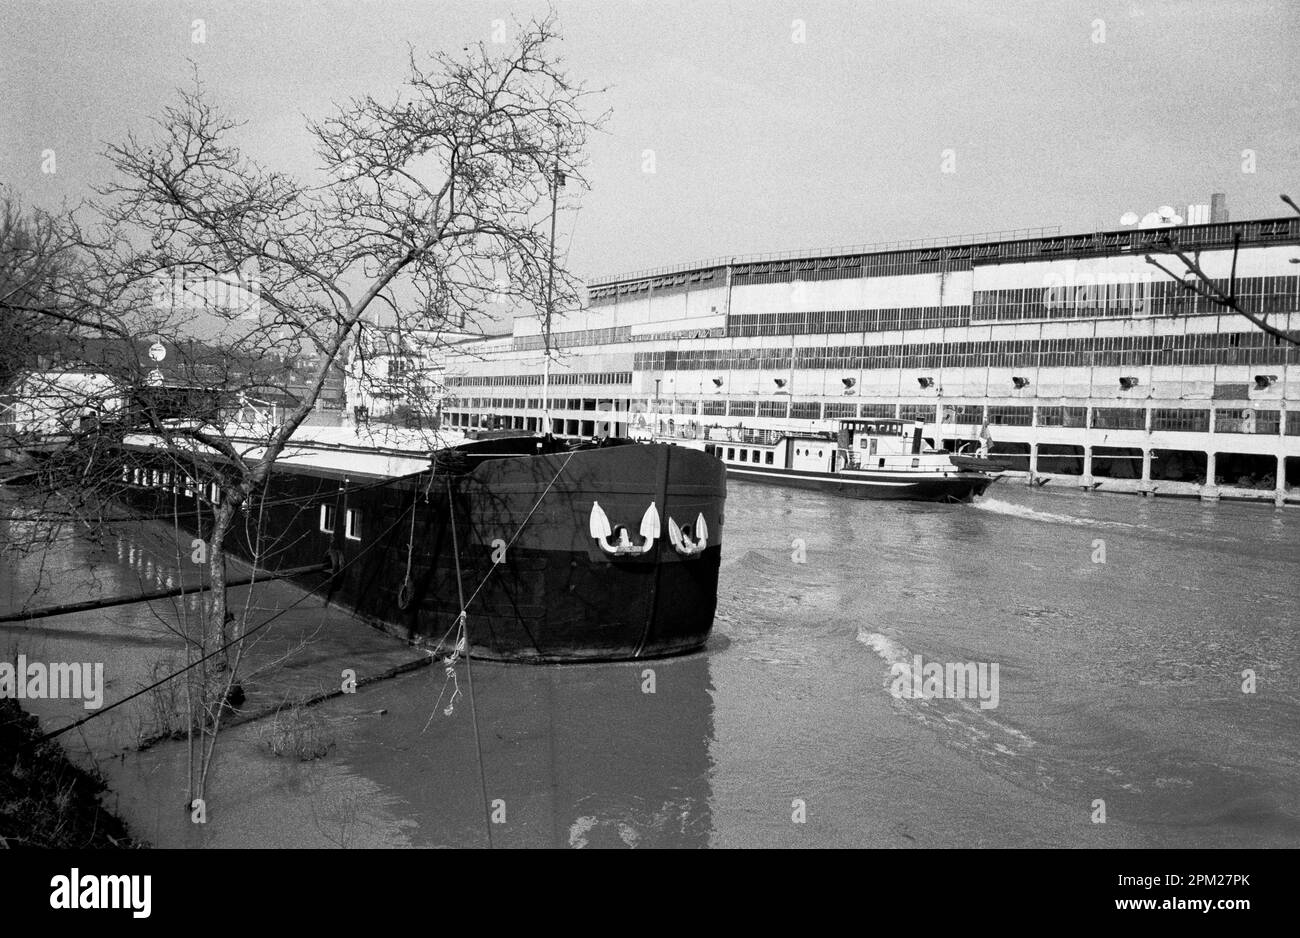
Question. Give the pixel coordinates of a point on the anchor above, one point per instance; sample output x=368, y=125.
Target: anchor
x=601, y=531
x=688, y=543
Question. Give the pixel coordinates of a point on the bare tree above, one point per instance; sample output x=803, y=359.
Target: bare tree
x=431, y=204
x=1196, y=280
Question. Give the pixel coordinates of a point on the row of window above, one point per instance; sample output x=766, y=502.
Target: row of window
x=181, y=484
x=177, y=483
x=1225, y=420
x=849, y=320
x=846, y=268
x=744, y=455
x=607, y=336
x=532, y=403
x=480, y=381
x=663, y=283
x=1219, y=348
x=1142, y=298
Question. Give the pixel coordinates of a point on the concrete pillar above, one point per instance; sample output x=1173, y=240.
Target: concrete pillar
x=1087, y=481
x=1210, y=490
x=1279, y=487
x=1147, y=487
x=1033, y=462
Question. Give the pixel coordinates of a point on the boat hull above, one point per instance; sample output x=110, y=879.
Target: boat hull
x=901, y=486
x=508, y=540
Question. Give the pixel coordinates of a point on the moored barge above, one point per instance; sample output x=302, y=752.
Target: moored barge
x=557, y=551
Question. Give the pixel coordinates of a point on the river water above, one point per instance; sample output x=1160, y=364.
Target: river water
x=1125, y=632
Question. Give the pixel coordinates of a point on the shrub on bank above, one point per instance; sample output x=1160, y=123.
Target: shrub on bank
x=45, y=800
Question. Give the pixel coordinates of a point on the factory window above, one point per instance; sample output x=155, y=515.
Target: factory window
x=1008, y=416
x=1247, y=420
x=328, y=515
x=126, y=473
x=214, y=493
x=744, y=455
x=1062, y=416
x=1182, y=421
x=1119, y=418
x=352, y=531
x=768, y=458
x=731, y=452
x=189, y=487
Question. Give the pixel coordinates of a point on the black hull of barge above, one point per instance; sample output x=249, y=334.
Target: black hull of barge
x=554, y=597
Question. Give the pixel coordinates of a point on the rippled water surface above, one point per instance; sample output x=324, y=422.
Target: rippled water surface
x=1119, y=682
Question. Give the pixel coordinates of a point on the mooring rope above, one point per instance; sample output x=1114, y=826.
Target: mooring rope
x=407, y=589
x=520, y=529
x=462, y=640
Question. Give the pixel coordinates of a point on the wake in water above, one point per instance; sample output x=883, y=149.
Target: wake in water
x=998, y=507
x=1175, y=787
x=974, y=727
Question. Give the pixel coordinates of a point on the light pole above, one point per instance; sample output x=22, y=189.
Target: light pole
x=557, y=180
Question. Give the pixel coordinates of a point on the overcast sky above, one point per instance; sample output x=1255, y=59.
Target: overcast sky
x=760, y=141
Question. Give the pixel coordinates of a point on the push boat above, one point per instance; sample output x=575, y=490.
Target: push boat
x=558, y=551
x=872, y=459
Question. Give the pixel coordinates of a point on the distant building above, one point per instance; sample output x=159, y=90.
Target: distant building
x=1089, y=365
x=397, y=374
x=58, y=402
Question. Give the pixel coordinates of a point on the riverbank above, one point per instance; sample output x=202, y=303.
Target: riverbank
x=45, y=800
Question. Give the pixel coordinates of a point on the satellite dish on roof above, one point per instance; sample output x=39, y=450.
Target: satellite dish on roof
x=1150, y=220
x=1129, y=218
x=1165, y=211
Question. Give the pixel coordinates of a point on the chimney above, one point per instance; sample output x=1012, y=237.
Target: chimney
x=1218, y=208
